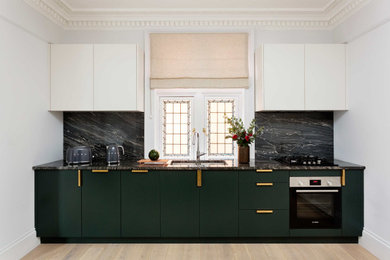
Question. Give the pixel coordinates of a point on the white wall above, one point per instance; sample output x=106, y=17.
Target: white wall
x=29, y=134
x=24, y=16
x=119, y=36
x=293, y=36
x=370, y=16
x=362, y=133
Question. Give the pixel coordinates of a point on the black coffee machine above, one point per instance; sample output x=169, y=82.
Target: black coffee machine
x=113, y=156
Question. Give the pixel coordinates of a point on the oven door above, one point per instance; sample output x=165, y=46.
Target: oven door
x=315, y=207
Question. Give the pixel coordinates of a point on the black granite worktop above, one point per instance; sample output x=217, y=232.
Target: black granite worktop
x=232, y=165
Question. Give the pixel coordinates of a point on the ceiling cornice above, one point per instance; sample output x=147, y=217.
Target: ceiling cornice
x=325, y=18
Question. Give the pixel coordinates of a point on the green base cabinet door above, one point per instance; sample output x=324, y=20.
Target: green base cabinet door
x=352, y=203
x=219, y=204
x=179, y=204
x=264, y=223
x=140, y=203
x=57, y=204
x=101, y=204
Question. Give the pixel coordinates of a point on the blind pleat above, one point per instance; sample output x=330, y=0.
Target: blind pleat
x=199, y=60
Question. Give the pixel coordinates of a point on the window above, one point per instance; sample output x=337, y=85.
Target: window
x=186, y=111
x=217, y=111
x=176, y=127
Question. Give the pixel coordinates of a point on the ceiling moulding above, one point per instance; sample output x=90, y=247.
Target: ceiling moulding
x=325, y=18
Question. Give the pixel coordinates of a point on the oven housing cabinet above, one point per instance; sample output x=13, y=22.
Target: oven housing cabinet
x=352, y=204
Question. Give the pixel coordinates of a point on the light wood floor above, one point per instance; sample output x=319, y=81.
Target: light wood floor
x=200, y=251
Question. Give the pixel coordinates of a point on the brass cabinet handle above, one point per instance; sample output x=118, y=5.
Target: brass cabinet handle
x=343, y=177
x=199, y=178
x=264, y=170
x=139, y=171
x=261, y=211
x=259, y=184
x=79, y=178
x=99, y=170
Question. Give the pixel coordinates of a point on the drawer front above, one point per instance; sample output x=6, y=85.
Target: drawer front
x=316, y=173
x=256, y=195
x=264, y=176
x=253, y=223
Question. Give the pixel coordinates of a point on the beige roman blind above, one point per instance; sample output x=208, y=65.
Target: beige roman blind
x=199, y=60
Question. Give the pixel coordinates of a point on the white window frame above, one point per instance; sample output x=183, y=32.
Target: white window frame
x=235, y=113
x=199, y=100
x=161, y=121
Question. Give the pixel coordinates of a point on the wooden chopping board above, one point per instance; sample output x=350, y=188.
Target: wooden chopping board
x=158, y=162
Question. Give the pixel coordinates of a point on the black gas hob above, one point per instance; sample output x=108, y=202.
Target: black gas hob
x=309, y=160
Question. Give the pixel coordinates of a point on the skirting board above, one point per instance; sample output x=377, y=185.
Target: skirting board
x=376, y=245
x=20, y=247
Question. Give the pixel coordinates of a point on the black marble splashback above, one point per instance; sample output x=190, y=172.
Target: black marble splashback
x=295, y=133
x=97, y=129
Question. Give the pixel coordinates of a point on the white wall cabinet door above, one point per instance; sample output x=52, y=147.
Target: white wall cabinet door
x=283, y=77
x=325, y=77
x=71, y=77
x=115, y=77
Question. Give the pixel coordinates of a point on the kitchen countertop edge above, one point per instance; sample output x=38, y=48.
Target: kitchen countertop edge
x=253, y=165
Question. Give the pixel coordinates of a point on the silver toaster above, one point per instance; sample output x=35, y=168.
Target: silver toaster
x=78, y=155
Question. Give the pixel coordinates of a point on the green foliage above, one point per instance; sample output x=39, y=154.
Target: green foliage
x=237, y=131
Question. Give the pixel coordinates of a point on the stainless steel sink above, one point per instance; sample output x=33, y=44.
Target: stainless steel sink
x=199, y=163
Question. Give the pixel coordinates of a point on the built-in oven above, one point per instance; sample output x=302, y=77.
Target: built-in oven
x=315, y=202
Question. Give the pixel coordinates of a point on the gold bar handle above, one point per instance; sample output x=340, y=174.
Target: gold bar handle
x=261, y=184
x=199, y=178
x=79, y=178
x=99, y=170
x=343, y=177
x=139, y=171
x=264, y=170
x=260, y=211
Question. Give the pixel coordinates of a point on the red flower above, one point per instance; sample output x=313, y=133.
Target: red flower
x=234, y=137
x=250, y=134
x=247, y=138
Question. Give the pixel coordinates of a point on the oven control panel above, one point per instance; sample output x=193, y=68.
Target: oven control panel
x=315, y=181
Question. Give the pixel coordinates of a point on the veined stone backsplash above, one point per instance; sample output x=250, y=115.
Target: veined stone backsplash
x=97, y=129
x=295, y=133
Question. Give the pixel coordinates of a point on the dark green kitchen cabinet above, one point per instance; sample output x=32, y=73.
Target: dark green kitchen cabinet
x=101, y=203
x=264, y=175
x=264, y=203
x=264, y=223
x=352, y=203
x=219, y=204
x=140, y=203
x=259, y=190
x=179, y=204
x=257, y=195
x=57, y=204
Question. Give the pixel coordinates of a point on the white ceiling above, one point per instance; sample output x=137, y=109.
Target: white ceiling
x=259, y=4
x=266, y=14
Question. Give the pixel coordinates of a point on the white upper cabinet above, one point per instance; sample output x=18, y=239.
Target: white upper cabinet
x=71, y=77
x=116, y=77
x=325, y=77
x=114, y=73
x=297, y=77
x=283, y=77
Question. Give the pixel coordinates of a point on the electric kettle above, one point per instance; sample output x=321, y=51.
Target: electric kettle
x=113, y=156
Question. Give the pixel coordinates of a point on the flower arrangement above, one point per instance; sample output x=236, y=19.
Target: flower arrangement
x=243, y=137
